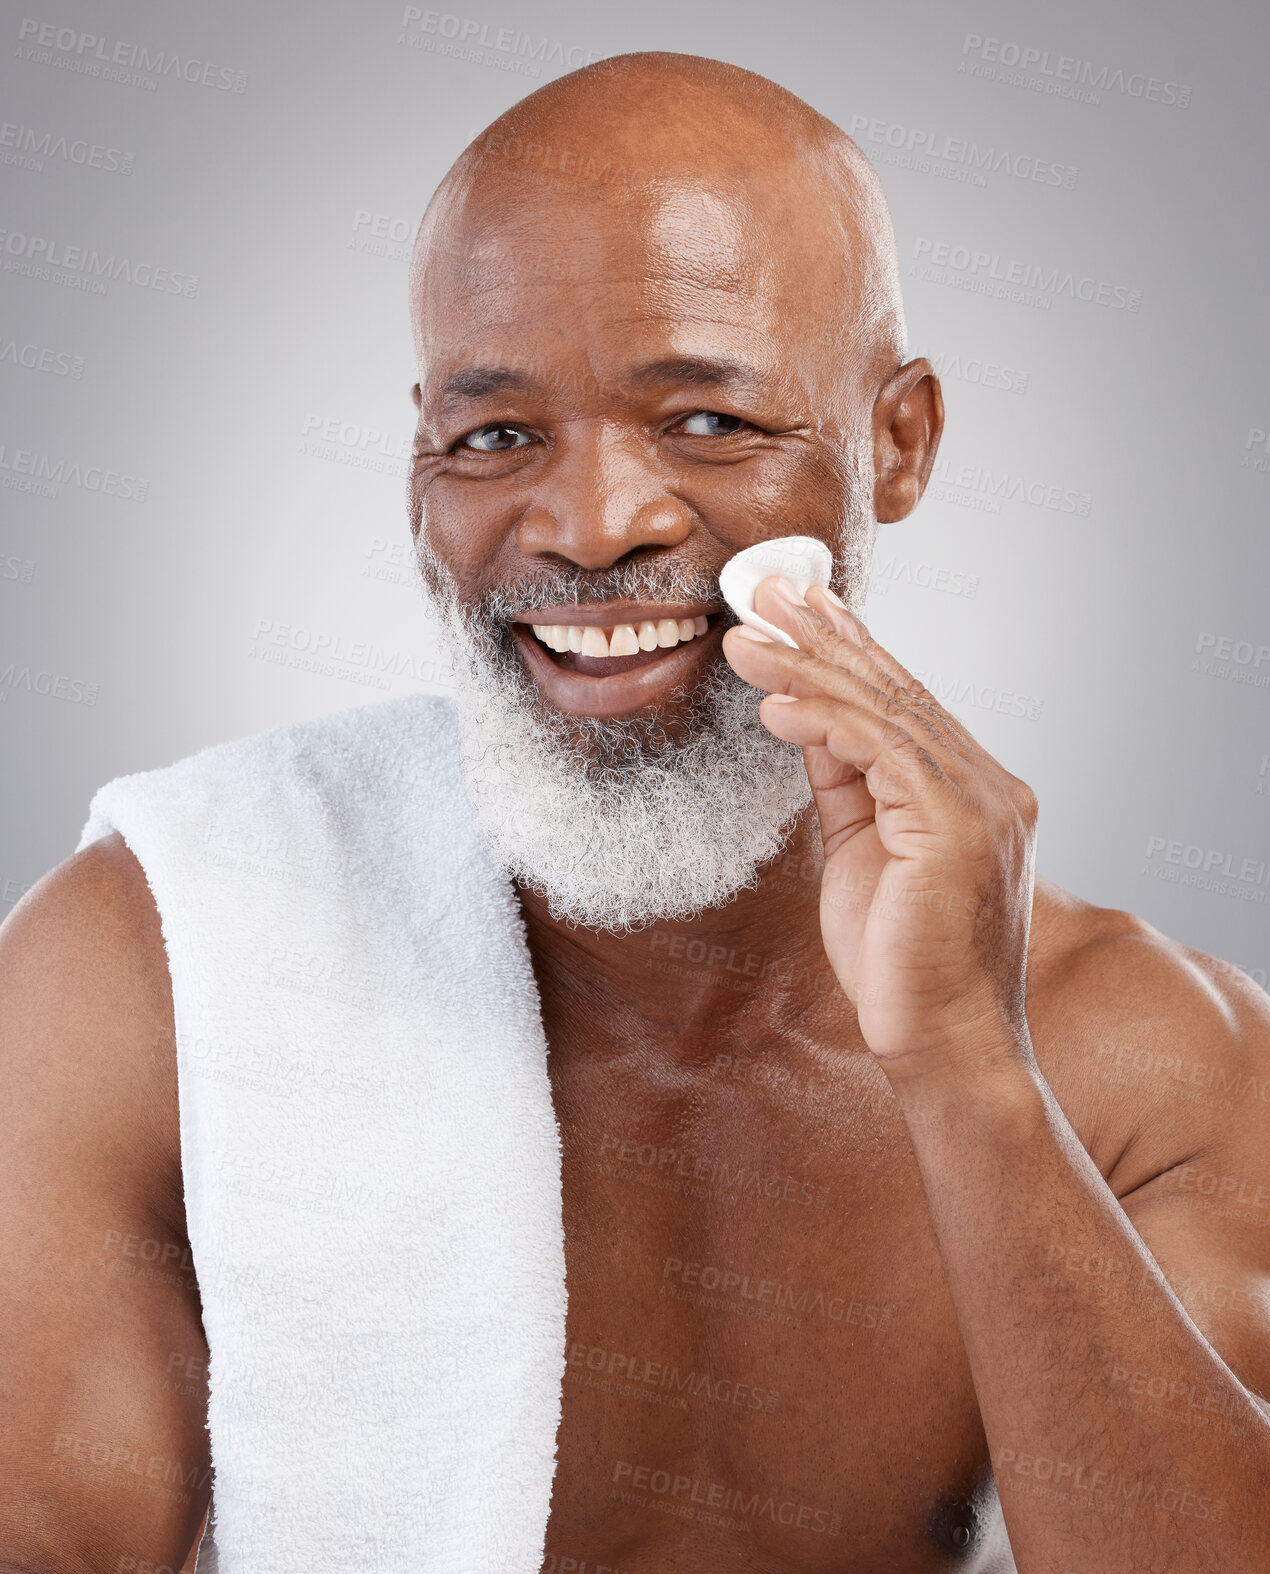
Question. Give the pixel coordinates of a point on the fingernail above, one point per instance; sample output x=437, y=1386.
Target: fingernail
x=746, y=632
x=782, y=699
x=784, y=588
x=834, y=597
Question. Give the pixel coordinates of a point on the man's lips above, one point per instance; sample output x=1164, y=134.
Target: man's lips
x=615, y=685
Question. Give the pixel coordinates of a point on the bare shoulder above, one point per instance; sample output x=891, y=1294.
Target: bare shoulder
x=86, y=1019
x=90, y=1206
x=1159, y=1055
x=1156, y=1050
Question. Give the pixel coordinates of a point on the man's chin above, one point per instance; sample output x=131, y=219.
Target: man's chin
x=620, y=822
x=628, y=743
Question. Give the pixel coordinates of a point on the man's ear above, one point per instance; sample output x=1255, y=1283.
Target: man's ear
x=908, y=418
x=416, y=395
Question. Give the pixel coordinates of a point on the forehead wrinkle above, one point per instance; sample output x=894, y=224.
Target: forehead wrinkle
x=638, y=325
x=551, y=248
x=499, y=314
x=677, y=293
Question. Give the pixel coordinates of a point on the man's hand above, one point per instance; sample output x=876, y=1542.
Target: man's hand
x=927, y=889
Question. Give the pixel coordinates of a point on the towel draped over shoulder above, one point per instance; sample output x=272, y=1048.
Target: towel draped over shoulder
x=370, y=1153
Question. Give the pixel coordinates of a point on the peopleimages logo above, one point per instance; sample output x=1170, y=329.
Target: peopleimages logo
x=903, y=571
x=953, y=692
x=989, y=272
x=113, y=60
x=920, y=148
x=84, y=267
x=980, y=373
x=467, y=34
x=28, y=147
x=351, y=443
x=1065, y=76
x=381, y=235
x=26, y=470
x=1003, y=486
x=41, y=358
x=51, y=685
x=1226, y=656
x=1217, y=869
x=1257, y=449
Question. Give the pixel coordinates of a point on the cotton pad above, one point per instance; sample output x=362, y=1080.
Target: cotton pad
x=802, y=560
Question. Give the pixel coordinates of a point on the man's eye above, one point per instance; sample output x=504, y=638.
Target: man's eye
x=710, y=423
x=494, y=439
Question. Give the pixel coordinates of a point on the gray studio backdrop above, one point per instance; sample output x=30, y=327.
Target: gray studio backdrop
x=204, y=364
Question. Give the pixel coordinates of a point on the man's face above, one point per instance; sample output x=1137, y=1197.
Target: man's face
x=618, y=392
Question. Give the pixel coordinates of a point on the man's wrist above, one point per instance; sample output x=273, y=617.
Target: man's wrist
x=984, y=1079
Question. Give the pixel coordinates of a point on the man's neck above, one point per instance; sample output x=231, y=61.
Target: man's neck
x=758, y=957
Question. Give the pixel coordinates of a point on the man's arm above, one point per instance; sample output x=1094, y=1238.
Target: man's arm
x=926, y=906
x=103, y=1446
x=1119, y=1339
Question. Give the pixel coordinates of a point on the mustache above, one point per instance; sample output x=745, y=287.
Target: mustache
x=562, y=584
x=555, y=584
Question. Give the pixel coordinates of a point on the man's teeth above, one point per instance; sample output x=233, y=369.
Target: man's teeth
x=627, y=639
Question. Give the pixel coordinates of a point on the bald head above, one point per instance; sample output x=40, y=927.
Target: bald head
x=715, y=164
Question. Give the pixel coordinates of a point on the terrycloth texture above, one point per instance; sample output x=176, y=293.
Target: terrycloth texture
x=370, y=1151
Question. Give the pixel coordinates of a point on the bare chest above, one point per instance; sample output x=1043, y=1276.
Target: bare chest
x=763, y=1366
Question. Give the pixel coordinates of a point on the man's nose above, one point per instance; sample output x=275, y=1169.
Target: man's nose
x=601, y=496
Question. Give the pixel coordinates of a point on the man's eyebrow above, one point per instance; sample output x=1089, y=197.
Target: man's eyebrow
x=470, y=383
x=706, y=371
x=478, y=382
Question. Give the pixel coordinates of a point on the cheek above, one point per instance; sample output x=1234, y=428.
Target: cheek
x=467, y=526
x=781, y=492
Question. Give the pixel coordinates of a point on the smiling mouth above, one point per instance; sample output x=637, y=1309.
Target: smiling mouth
x=600, y=650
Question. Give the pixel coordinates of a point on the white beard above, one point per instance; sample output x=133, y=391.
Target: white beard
x=615, y=823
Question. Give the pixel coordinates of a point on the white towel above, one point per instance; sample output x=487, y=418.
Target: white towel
x=370, y=1151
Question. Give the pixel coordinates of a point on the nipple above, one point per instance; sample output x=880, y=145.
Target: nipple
x=802, y=560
